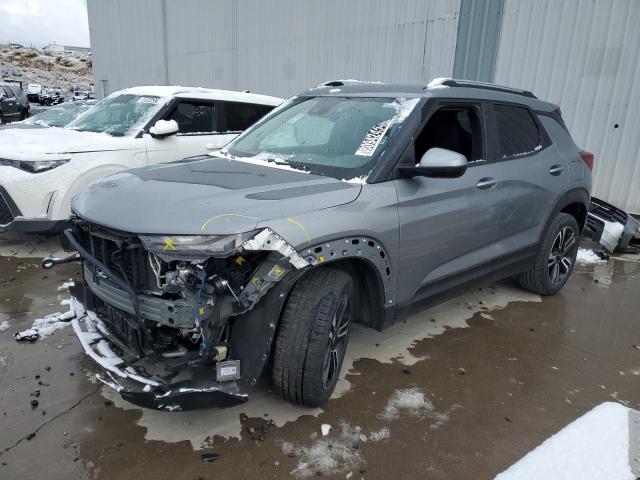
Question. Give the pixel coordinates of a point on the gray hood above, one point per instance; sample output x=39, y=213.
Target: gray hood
x=206, y=196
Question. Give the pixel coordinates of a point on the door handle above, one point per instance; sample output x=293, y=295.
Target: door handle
x=556, y=170
x=486, y=183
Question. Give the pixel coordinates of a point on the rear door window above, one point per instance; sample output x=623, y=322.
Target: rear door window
x=518, y=133
x=237, y=117
x=194, y=117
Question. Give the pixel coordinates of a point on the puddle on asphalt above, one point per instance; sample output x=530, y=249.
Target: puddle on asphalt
x=23, y=245
x=395, y=343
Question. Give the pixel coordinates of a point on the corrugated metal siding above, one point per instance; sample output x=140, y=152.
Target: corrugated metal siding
x=477, y=42
x=278, y=47
x=585, y=56
x=126, y=44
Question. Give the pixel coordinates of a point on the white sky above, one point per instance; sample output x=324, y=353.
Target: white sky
x=40, y=22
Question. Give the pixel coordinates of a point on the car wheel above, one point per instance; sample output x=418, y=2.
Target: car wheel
x=556, y=258
x=312, y=337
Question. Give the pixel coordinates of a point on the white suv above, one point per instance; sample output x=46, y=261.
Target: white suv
x=42, y=169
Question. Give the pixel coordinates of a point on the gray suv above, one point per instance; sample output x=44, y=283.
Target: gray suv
x=346, y=204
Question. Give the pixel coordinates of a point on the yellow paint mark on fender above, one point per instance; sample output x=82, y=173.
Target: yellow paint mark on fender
x=301, y=227
x=225, y=215
x=169, y=244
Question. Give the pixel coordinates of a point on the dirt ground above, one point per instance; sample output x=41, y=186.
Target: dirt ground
x=458, y=391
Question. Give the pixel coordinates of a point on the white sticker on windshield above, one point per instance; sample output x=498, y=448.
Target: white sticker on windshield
x=373, y=138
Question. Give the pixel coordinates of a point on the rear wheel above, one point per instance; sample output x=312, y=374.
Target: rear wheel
x=313, y=336
x=556, y=257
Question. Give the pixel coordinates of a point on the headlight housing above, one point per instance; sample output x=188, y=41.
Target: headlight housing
x=35, y=166
x=194, y=248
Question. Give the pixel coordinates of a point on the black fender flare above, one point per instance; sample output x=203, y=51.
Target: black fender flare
x=252, y=333
x=576, y=195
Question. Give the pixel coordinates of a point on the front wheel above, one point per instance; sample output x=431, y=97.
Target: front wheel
x=313, y=336
x=555, y=260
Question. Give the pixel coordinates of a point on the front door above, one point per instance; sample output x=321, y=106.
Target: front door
x=448, y=225
x=197, y=133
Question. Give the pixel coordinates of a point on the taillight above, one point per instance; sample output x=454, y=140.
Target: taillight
x=587, y=157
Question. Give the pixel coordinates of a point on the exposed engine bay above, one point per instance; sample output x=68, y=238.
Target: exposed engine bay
x=160, y=309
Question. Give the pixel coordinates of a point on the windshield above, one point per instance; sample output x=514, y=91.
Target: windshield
x=58, y=116
x=118, y=115
x=339, y=137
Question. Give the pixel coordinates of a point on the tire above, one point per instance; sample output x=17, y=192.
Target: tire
x=313, y=336
x=556, y=258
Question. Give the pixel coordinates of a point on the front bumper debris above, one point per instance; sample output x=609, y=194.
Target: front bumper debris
x=613, y=228
x=151, y=391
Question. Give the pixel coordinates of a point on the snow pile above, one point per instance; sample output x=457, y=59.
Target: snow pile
x=357, y=180
x=328, y=457
x=265, y=159
x=66, y=285
x=594, y=447
x=412, y=402
x=437, y=83
x=404, y=107
x=382, y=434
x=43, y=327
x=588, y=257
x=4, y=326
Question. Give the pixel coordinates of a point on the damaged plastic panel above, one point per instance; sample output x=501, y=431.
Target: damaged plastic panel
x=164, y=306
x=613, y=228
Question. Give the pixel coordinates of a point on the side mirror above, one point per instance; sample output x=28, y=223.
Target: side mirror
x=437, y=162
x=164, y=128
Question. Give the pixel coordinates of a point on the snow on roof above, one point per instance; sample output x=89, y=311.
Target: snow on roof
x=205, y=93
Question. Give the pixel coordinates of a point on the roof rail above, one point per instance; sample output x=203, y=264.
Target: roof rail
x=333, y=83
x=487, y=86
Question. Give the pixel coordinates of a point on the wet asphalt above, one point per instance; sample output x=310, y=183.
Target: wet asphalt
x=500, y=371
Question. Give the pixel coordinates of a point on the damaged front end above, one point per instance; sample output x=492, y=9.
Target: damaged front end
x=173, y=319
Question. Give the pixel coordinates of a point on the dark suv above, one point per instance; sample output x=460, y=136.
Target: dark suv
x=13, y=103
x=347, y=203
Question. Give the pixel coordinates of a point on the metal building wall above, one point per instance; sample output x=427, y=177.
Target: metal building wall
x=127, y=44
x=585, y=56
x=477, y=41
x=278, y=47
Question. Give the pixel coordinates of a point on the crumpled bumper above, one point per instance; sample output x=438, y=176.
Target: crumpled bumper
x=149, y=391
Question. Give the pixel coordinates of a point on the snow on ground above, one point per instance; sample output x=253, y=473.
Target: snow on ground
x=412, y=402
x=43, y=327
x=587, y=256
x=4, y=326
x=594, y=447
x=334, y=455
x=66, y=285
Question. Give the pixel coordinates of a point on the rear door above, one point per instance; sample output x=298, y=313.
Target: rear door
x=448, y=225
x=236, y=117
x=533, y=174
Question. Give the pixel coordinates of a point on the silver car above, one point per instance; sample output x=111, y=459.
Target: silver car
x=346, y=204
